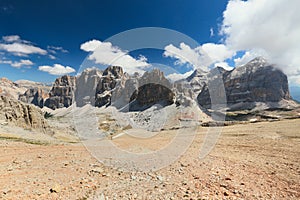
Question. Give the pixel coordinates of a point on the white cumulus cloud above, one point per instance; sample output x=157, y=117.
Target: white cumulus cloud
x=13, y=44
x=11, y=38
x=17, y=64
x=223, y=65
x=263, y=25
x=57, y=69
x=200, y=57
x=107, y=54
x=54, y=49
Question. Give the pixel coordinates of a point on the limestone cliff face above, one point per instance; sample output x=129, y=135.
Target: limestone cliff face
x=62, y=92
x=34, y=96
x=153, y=88
x=86, y=84
x=21, y=114
x=257, y=81
x=112, y=76
x=119, y=89
x=150, y=94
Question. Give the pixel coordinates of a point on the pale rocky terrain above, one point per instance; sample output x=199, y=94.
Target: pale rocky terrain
x=10, y=89
x=249, y=161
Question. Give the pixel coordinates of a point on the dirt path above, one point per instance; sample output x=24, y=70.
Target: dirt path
x=250, y=161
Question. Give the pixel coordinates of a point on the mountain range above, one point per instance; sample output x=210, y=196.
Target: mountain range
x=254, y=86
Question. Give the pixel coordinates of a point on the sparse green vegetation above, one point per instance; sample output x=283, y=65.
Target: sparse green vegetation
x=47, y=115
x=29, y=141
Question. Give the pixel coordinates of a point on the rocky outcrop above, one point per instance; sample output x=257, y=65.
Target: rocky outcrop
x=257, y=81
x=34, y=96
x=62, y=92
x=21, y=114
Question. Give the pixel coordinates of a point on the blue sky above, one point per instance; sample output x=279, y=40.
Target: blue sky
x=40, y=38
x=68, y=24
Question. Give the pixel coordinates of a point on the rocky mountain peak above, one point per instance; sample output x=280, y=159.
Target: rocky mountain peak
x=86, y=84
x=62, y=92
x=115, y=71
x=258, y=61
x=6, y=81
x=10, y=89
x=197, y=73
x=154, y=76
x=256, y=81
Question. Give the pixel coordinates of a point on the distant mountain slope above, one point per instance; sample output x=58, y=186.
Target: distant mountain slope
x=10, y=89
x=256, y=81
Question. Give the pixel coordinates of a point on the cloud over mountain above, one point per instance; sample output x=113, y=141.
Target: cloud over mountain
x=202, y=56
x=265, y=26
x=107, y=54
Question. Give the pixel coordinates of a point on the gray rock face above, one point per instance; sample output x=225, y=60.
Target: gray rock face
x=62, y=92
x=123, y=91
x=153, y=88
x=242, y=87
x=21, y=114
x=111, y=76
x=188, y=89
x=114, y=71
x=119, y=89
x=86, y=84
x=150, y=94
x=257, y=81
x=34, y=96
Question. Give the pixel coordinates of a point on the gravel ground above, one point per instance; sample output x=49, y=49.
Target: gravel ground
x=249, y=161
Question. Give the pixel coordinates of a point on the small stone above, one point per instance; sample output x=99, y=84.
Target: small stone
x=55, y=188
x=184, y=165
x=160, y=178
x=226, y=194
x=97, y=170
x=106, y=174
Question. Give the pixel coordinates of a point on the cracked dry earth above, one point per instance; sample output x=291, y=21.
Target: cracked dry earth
x=249, y=161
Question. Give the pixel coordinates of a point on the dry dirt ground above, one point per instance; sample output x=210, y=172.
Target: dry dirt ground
x=249, y=161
